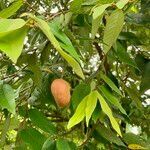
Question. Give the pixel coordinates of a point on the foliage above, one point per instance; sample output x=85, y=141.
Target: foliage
x=101, y=47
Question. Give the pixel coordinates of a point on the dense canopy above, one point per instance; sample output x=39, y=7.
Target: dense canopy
x=101, y=48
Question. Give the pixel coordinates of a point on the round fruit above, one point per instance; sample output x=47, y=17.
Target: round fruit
x=61, y=91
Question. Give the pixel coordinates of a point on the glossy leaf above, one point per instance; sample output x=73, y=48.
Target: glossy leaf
x=112, y=99
x=110, y=83
x=41, y=121
x=9, y=11
x=113, y=28
x=106, y=109
x=47, y=31
x=7, y=98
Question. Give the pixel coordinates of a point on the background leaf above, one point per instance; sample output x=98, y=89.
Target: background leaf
x=121, y=3
x=65, y=42
x=76, y=5
x=108, y=135
x=79, y=93
x=97, y=16
x=47, y=31
x=41, y=121
x=49, y=144
x=124, y=56
x=62, y=144
x=110, y=83
x=7, y=98
x=9, y=11
x=33, y=138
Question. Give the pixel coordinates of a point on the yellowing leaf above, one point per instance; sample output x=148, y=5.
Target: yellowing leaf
x=47, y=31
x=113, y=28
x=135, y=146
x=106, y=109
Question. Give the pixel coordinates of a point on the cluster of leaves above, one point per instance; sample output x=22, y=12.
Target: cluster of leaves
x=100, y=47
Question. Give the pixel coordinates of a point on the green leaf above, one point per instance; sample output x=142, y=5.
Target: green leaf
x=124, y=56
x=9, y=25
x=121, y=3
x=12, y=35
x=98, y=11
x=131, y=138
x=90, y=106
x=76, y=5
x=49, y=145
x=79, y=93
x=79, y=114
x=110, y=83
x=41, y=121
x=109, y=135
x=72, y=145
x=65, y=42
x=113, y=28
x=105, y=1
x=62, y=144
x=111, y=98
x=132, y=94
x=47, y=31
x=97, y=16
x=7, y=98
x=8, y=12
x=33, y=138
x=145, y=83
x=106, y=109
x=34, y=66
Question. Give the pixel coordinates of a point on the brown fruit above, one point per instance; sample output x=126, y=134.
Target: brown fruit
x=61, y=91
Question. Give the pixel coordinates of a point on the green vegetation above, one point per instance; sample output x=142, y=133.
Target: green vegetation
x=101, y=48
